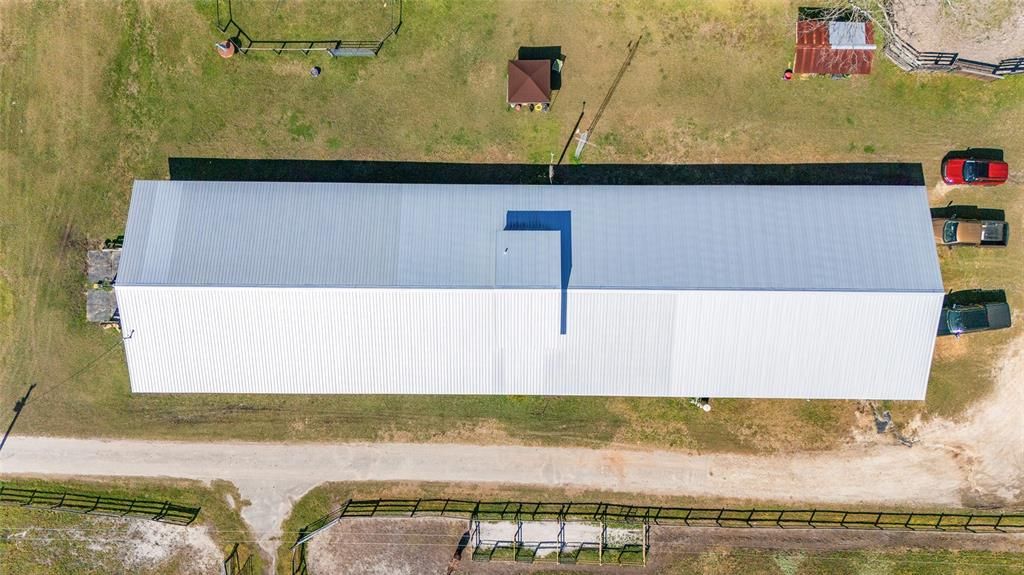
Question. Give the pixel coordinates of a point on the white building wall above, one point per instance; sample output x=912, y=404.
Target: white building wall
x=491, y=341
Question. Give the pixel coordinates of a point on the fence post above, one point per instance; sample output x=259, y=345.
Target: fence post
x=643, y=548
x=163, y=511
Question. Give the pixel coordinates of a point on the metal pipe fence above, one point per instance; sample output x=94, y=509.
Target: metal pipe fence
x=904, y=55
x=336, y=47
x=235, y=565
x=613, y=513
x=163, y=511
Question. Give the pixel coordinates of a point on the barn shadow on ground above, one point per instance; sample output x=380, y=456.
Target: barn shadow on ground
x=359, y=171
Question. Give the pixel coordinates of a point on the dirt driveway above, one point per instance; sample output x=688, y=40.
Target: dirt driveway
x=979, y=460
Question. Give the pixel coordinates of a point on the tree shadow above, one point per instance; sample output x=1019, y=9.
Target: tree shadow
x=545, y=53
x=359, y=171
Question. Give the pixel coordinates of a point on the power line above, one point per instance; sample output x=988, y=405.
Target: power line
x=83, y=369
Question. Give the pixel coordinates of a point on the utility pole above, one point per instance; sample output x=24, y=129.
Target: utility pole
x=18, y=406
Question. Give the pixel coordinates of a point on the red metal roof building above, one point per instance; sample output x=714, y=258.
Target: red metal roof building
x=824, y=47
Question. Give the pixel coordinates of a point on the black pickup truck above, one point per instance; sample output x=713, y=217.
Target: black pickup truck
x=974, y=310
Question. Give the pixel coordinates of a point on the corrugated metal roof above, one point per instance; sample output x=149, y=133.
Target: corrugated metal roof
x=619, y=343
x=528, y=259
x=726, y=291
x=815, y=54
x=847, y=34
x=847, y=238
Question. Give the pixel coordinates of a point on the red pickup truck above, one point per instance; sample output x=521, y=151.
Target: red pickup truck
x=974, y=171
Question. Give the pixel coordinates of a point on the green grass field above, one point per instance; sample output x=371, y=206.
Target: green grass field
x=311, y=20
x=43, y=542
x=908, y=562
x=94, y=95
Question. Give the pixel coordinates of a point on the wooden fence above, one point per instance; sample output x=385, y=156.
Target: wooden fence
x=235, y=565
x=910, y=59
x=163, y=511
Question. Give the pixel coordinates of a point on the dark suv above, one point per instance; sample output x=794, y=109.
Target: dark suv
x=974, y=310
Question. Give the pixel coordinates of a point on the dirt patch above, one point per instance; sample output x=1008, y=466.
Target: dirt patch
x=483, y=432
x=408, y=546
x=989, y=444
x=150, y=544
x=386, y=546
x=947, y=348
x=983, y=30
x=103, y=544
x=665, y=541
x=939, y=191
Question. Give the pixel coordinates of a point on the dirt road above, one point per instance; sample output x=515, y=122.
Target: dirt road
x=977, y=460
x=272, y=476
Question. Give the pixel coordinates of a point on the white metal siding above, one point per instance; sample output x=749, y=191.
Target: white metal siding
x=719, y=343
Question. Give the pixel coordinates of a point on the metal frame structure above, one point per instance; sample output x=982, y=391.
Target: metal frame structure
x=561, y=551
x=335, y=47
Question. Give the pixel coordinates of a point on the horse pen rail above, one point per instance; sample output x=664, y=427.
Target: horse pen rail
x=235, y=565
x=669, y=516
x=911, y=59
x=163, y=511
x=335, y=47
x=647, y=515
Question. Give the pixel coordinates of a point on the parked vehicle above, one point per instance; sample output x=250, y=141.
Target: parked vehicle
x=974, y=171
x=973, y=310
x=964, y=232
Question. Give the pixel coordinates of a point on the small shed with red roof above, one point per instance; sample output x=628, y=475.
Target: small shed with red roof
x=529, y=82
x=836, y=45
